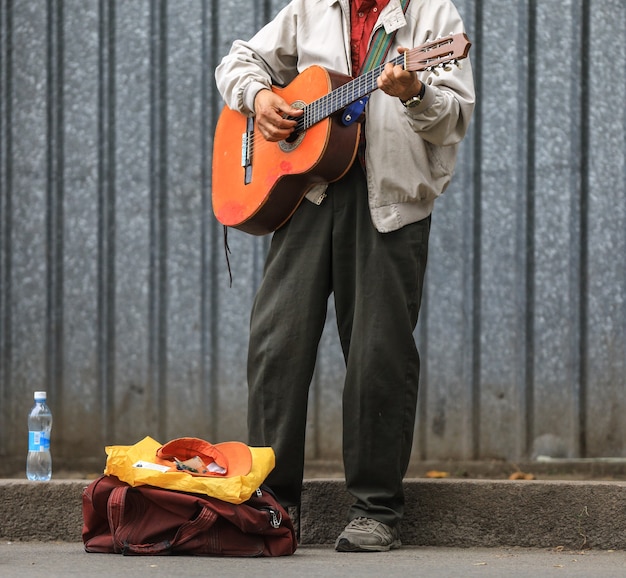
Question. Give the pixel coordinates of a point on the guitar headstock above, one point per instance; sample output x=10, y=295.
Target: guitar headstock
x=437, y=53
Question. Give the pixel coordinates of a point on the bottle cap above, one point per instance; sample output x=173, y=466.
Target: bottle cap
x=40, y=395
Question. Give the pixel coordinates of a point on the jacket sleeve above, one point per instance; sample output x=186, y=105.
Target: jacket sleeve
x=269, y=57
x=443, y=116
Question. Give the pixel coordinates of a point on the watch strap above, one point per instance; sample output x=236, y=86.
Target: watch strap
x=416, y=99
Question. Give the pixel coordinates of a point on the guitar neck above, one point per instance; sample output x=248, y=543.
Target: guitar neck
x=341, y=97
x=429, y=56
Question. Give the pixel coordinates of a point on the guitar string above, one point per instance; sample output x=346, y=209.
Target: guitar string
x=330, y=103
x=344, y=95
x=325, y=106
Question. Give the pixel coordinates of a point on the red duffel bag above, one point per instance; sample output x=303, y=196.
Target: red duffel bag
x=145, y=520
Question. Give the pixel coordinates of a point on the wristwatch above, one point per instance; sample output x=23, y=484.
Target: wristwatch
x=415, y=100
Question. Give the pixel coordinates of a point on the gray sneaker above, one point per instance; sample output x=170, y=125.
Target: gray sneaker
x=367, y=535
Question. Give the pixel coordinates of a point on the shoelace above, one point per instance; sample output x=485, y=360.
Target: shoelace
x=363, y=523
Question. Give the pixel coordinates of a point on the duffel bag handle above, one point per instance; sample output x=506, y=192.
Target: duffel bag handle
x=121, y=527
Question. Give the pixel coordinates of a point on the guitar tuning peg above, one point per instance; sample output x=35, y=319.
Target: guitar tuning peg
x=447, y=68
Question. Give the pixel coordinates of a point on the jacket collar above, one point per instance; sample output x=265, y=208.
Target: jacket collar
x=345, y=5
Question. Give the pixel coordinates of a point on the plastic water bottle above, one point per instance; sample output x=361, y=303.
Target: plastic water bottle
x=39, y=460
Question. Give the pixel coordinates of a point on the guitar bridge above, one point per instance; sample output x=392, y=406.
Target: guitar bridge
x=247, y=139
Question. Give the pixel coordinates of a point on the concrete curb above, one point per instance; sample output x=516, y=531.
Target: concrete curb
x=459, y=513
x=37, y=511
x=482, y=513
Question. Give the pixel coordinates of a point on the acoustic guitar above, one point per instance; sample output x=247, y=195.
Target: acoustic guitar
x=257, y=184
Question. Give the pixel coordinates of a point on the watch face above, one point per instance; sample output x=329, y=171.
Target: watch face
x=413, y=102
x=417, y=99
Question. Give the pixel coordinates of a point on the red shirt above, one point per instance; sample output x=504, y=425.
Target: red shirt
x=363, y=16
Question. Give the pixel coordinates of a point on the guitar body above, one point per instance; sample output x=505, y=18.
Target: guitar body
x=279, y=174
x=257, y=185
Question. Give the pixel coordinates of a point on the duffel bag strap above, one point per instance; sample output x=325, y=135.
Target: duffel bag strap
x=122, y=526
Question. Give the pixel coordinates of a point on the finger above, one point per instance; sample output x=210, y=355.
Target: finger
x=291, y=111
x=275, y=127
x=270, y=101
x=385, y=78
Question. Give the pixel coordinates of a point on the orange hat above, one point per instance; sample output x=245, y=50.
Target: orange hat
x=233, y=458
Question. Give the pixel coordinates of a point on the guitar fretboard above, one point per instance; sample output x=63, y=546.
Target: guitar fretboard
x=342, y=96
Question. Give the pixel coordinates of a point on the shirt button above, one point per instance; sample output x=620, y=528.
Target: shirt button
x=361, y=14
x=375, y=9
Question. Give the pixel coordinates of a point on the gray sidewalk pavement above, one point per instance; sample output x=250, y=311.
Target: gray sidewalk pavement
x=66, y=559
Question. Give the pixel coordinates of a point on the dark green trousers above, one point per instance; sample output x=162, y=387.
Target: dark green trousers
x=377, y=280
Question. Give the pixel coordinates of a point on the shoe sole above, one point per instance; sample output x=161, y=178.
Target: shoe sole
x=344, y=545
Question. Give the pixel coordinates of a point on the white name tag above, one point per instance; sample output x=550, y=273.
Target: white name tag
x=394, y=19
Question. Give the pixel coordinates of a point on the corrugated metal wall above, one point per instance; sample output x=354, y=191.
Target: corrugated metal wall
x=114, y=293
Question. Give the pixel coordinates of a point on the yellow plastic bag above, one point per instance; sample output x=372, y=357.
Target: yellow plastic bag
x=235, y=489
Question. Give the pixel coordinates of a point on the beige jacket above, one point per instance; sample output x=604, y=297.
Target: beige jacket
x=411, y=153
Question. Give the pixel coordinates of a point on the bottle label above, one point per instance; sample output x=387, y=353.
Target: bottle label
x=38, y=441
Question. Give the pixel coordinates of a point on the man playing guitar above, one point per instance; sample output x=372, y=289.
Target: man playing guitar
x=361, y=235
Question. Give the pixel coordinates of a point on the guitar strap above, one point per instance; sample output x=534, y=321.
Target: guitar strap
x=380, y=45
x=376, y=55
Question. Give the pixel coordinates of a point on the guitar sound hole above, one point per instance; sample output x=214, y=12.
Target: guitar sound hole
x=296, y=137
x=291, y=142
x=293, y=137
